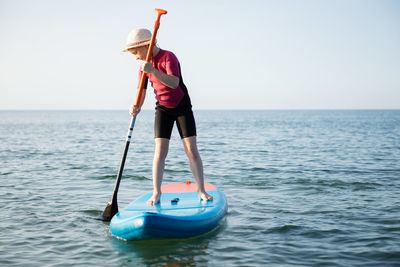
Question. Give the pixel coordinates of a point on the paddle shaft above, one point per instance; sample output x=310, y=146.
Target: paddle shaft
x=112, y=206
x=142, y=83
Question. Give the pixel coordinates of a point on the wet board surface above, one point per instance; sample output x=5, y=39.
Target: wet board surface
x=180, y=213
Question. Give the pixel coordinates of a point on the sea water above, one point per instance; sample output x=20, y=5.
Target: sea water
x=304, y=188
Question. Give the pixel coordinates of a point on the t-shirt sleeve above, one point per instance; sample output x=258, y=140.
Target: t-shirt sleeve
x=172, y=65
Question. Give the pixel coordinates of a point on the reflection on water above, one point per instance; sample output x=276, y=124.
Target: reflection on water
x=167, y=252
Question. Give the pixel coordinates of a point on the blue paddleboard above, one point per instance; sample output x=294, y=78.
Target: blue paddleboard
x=180, y=213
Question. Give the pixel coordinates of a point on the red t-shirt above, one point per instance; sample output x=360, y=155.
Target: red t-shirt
x=166, y=62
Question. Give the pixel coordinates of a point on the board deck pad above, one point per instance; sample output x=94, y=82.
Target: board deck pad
x=180, y=213
x=185, y=187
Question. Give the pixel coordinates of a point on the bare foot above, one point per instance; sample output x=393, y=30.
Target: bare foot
x=205, y=196
x=154, y=199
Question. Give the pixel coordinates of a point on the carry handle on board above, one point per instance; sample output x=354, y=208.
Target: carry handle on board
x=112, y=205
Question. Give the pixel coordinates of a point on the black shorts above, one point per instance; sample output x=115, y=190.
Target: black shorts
x=165, y=118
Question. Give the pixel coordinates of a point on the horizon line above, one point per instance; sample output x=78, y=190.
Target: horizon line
x=214, y=109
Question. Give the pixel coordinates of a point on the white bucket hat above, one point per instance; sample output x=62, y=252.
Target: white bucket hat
x=138, y=37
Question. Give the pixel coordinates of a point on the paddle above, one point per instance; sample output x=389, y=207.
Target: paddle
x=112, y=205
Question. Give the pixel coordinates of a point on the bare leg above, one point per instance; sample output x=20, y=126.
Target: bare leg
x=196, y=165
x=160, y=154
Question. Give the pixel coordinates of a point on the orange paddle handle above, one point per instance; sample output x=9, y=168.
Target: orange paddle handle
x=139, y=94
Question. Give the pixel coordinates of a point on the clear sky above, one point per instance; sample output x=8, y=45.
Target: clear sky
x=65, y=54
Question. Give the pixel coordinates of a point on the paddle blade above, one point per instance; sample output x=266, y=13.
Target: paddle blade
x=109, y=211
